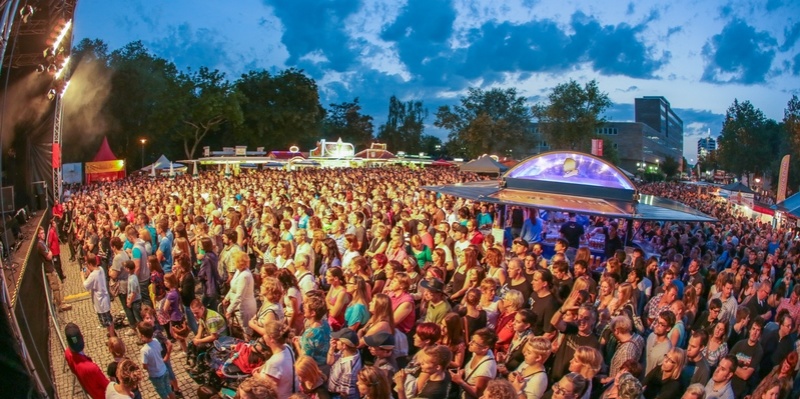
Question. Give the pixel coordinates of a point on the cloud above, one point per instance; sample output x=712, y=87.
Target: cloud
x=696, y=122
x=422, y=34
x=726, y=11
x=792, y=34
x=796, y=67
x=312, y=26
x=773, y=5
x=739, y=54
x=631, y=9
x=673, y=30
x=185, y=46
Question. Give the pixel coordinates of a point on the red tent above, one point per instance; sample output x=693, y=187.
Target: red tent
x=105, y=166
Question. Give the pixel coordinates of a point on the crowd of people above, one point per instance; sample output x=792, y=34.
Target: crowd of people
x=359, y=283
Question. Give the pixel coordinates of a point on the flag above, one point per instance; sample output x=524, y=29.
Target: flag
x=783, y=178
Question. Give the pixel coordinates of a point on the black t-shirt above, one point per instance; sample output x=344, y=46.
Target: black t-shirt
x=544, y=308
x=572, y=340
x=42, y=249
x=572, y=232
x=746, y=355
x=524, y=288
x=435, y=389
x=658, y=388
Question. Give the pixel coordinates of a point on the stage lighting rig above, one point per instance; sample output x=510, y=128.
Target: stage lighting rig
x=51, y=95
x=41, y=68
x=61, y=36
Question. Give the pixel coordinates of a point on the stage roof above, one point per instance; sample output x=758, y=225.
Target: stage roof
x=573, y=182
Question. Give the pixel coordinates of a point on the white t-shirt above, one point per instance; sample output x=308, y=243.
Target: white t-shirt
x=280, y=367
x=112, y=393
x=485, y=368
x=96, y=284
x=534, y=385
x=306, y=281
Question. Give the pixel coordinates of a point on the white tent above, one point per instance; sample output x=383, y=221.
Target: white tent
x=164, y=164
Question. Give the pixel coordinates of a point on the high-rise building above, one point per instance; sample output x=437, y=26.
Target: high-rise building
x=706, y=145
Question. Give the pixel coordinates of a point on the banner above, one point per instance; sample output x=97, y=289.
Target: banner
x=597, y=147
x=783, y=179
x=105, y=166
x=56, y=155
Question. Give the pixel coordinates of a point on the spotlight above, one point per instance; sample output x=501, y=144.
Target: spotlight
x=51, y=94
x=52, y=68
x=25, y=13
x=40, y=68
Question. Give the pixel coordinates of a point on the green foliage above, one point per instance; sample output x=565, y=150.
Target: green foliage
x=744, y=144
x=279, y=111
x=206, y=101
x=404, y=126
x=486, y=122
x=569, y=119
x=431, y=145
x=670, y=167
x=346, y=121
x=791, y=144
x=610, y=153
x=141, y=102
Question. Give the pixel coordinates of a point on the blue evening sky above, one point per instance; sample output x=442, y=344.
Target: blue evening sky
x=700, y=55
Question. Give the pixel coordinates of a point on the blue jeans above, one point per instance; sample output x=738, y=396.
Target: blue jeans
x=190, y=319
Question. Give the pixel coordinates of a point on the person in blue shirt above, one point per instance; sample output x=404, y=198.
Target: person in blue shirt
x=164, y=252
x=532, y=227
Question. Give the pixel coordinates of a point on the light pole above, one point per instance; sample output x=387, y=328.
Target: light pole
x=143, y=141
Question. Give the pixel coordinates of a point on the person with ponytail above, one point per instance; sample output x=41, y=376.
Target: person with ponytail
x=280, y=366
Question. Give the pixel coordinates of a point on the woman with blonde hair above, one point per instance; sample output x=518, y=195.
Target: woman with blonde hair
x=530, y=378
x=271, y=307
x=663, y=381
x=285, y=258
x=312, y=381
x=280, y=365
x=586, y=362
x=128, y=377
x=240, y=302
x=373, y=383
x=606, y=295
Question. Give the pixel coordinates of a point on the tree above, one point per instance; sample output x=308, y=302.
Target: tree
x=345, y=121
x=431, y=145
x=570, y=118
x=141, y=100
x=486, y=122
x=281, y=110
x=208, y=101
x=791, y=125
x=404, y=125
x=670, y=167
x=743, y=145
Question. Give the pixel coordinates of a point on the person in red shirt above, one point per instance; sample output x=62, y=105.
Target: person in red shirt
x=54, y=245
x=91, y=378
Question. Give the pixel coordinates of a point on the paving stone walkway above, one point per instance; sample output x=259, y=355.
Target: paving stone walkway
x=94, y=334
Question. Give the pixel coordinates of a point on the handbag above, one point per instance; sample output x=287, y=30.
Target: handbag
x=235, y=328
x=637, y=320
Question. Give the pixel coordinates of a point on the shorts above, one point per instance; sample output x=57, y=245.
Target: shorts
x=161, y=384
x=105, y=319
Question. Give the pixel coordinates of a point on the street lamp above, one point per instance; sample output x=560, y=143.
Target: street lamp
x=143, y=141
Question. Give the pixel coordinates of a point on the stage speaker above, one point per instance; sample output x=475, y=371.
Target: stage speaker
x=8, y=241
x=39, y=195
x=7, y=194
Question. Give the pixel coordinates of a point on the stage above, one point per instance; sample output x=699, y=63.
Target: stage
x=20, y=253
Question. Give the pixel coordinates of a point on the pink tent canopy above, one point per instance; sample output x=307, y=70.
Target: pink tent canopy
x=105, y=166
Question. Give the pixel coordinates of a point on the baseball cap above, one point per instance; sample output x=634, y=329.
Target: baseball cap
x=346, y=335
x=74, y=337
x=382, y=339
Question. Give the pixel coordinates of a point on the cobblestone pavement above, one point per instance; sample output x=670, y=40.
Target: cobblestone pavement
x=94, y=334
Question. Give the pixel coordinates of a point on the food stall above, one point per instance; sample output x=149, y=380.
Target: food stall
x=566, y=181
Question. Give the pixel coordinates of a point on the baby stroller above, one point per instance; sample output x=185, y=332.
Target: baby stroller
x=229, y=361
